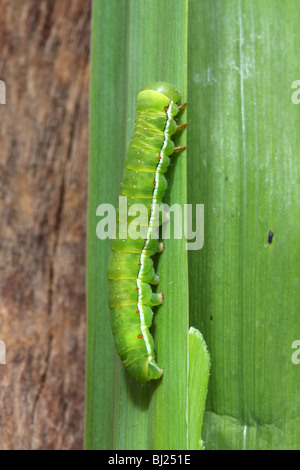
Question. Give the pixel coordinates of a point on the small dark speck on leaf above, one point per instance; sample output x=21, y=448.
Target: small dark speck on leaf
x=211, y=318
x=270, y=237
x=226, y=178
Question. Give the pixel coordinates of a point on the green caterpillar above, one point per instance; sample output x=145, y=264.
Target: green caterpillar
x=130, y=269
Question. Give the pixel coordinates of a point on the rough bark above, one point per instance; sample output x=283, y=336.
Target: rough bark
x=44, y=62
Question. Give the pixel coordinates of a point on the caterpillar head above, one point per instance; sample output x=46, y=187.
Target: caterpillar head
x=166, y=89
x=158, y=96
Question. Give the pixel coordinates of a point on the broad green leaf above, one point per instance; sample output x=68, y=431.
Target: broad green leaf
x=244, y=166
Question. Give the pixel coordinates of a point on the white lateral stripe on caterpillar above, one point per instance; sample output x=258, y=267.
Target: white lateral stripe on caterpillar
x=142, y=257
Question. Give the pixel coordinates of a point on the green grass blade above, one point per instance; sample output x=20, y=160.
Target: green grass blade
x=199, y=364
x=244, y=146
x=107, y=89
x=122, y=414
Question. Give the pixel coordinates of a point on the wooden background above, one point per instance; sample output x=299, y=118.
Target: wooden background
x=44, y=61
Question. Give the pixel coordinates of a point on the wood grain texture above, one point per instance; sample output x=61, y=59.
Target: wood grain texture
x=44, y=61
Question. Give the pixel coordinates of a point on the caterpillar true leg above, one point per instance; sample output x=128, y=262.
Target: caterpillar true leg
x=179, y=149
x=181, y=126
x=181, y=107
